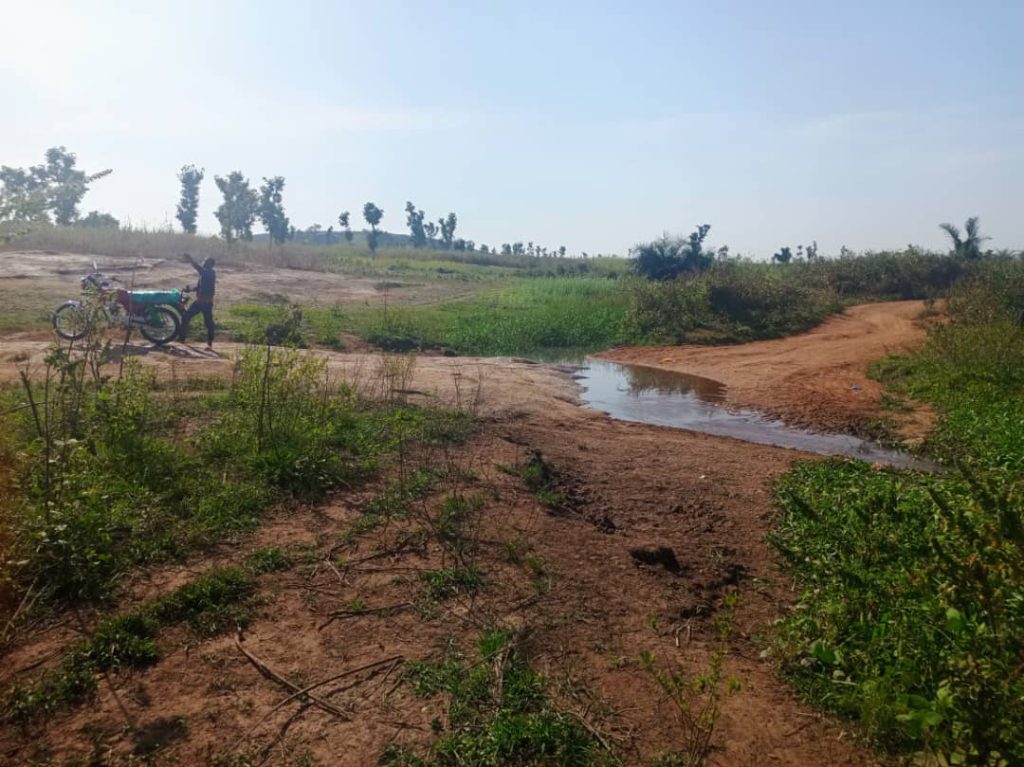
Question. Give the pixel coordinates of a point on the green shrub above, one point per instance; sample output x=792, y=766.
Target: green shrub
x=107, y=481
x=911, y=616
x=738, y=300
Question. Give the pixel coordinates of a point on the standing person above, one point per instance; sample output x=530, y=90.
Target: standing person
x=205, y=289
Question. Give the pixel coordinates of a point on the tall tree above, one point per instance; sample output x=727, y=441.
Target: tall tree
x=969, y=244
x=54, y=187
x=271, y=209
x=343, y=221
x=23, y=198
x=448, y=224
x=430, y=228
x=414, y=220
x=238, y=212
x=68, y=184
x=190, y=178
x=373, y=215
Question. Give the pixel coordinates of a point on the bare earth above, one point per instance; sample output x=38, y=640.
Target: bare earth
x=626, y=486
x=33, y=283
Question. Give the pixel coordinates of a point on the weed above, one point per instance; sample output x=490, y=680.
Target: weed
x=454, y=517
x=540, y=575
x=269, y=560
x=695, y=699
x=541, y=477
x=512, y=550
x=444, y=584
x=211, y=604
x=499, y=713
x=105, y=481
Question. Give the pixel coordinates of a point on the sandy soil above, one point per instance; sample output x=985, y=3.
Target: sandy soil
x=53, y=277
x=626, y=488
x=816, y=379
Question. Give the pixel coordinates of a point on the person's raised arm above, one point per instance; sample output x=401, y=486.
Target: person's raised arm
x=192, y=261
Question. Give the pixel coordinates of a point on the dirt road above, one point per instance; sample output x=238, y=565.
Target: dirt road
x=627, y=488
x=816, y=379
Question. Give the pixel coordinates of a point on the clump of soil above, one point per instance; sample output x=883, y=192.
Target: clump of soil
x=661, y=556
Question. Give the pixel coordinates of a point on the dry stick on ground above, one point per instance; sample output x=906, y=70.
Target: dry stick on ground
x=304, y=692
x=25, y=604
x=268, y=672
x=593, y=730
x=341, y=614
x=399, y=549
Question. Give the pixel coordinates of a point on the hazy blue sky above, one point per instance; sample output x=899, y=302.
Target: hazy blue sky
x=590, y=124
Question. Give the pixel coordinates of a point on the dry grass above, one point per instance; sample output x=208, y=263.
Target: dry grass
x=169, y=245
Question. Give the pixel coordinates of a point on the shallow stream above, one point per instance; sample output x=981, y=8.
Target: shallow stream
x=648, y=395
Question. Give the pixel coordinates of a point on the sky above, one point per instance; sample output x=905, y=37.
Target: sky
x=593, y=125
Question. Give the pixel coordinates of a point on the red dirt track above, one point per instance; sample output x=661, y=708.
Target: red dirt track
x=625, y=487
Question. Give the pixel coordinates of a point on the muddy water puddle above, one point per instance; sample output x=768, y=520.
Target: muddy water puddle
x=663, y=398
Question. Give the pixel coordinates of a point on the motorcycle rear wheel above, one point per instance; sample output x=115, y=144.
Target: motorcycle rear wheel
x=161, y=326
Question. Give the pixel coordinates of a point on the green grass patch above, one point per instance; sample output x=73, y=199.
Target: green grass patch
x=499, y=713
x=214, y=603
x=526, y=317
x=911, y=617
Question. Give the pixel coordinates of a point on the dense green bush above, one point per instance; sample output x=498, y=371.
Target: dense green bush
x=911, y=616
x=888, y=275
x=108, y=478
x=734, y=301
x=738, y=300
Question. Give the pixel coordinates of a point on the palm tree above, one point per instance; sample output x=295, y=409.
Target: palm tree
x=969, y=245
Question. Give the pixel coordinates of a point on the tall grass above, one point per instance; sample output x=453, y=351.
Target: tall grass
x=529, y=316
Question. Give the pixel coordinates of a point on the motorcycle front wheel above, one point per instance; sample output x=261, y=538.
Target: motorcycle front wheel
x=160, y=326
x=71, y=320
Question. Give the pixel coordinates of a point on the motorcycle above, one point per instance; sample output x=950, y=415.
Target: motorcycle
x=156, y=313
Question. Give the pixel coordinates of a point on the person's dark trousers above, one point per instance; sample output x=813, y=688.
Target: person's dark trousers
x=199, y=307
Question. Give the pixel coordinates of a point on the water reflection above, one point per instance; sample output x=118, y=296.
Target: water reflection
x=683, y=401
x=644, y=379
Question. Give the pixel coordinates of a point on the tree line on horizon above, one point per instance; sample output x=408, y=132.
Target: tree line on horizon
x=52, y=191
x=242, y=206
